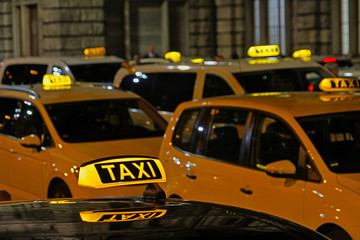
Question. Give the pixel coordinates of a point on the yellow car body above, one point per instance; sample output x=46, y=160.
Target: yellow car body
x=306, y=180
x=35, y=162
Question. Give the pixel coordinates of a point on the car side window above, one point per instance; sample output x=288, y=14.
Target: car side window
x=9, y=115
x=216, y=86
x=225, y=134
x=185, y=129
x=20, y=118
x=272, y=141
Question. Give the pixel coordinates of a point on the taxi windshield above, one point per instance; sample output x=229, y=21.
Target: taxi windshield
x=104, y=120
x=97, y=72
x=278, y=80
x=337, y=139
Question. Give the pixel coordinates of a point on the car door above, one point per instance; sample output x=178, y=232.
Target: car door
x=206, y=155
x=272, y=140
x=8, y=119
x=26, y=164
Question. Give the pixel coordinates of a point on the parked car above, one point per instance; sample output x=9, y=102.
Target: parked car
x=46, y=132
x=92, y=66
x=291, y=154
x=167, y=85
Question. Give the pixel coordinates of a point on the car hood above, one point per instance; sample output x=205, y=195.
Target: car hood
x=350, y=180
x=83, y=152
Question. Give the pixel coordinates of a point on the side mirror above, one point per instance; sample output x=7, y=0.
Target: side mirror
x=281, y=169
x=30, y=141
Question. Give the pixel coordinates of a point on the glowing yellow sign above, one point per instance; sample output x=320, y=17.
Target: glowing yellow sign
x=173, y=56
x=264, y=51
x=120, y=216
x=98, y=51
x=50, y=81
x=302, y=53
x=339, y=84
x=121, y=171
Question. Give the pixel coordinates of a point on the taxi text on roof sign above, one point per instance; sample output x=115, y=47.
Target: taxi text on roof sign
x=50, y=80
x=120, y=171
x=264, y=51
x=339, y=84
x=120, y=216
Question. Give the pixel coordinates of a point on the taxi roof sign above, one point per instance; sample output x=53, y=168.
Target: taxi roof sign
x=173, y=56
x=121, y=171
x=96, y=51
x=339, y=84
x=264, y=51
x=50, y=81
x=302, y=53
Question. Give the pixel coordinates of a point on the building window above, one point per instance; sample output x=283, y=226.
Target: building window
x=34, y=32
x=345, y=27
x=269, y=26
x=26, y=34
x=277, y=23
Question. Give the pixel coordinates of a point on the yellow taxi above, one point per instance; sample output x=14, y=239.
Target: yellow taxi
x=48, y=130
x=92, y=66
x=290, y=154
x=167, y=85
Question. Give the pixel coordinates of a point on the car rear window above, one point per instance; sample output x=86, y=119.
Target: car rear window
x=163, y=90
x=302, y=79
x=97, y=72
x=103, y=120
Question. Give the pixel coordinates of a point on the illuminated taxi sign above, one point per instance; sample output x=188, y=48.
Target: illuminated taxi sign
x=120, y=216
x=97, y=51
x=339, y=84
x=264, y=51
x=302, y=53
x=121, y=171
x=173, y=56
x=51, y=81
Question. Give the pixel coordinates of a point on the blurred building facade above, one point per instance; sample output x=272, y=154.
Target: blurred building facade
x=193, y=27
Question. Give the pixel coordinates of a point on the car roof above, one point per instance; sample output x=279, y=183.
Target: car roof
x=139, y=218
x=68, y=60
x=241, y=65
x=77, y=92
x=297, y=104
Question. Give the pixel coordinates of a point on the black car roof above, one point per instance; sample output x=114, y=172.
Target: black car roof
x=138, y=218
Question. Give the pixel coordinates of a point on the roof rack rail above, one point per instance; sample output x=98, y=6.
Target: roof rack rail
x=21, y=89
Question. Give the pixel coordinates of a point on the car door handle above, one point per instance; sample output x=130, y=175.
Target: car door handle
x=246, y=191
x=191, y=176
x=12, y=150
